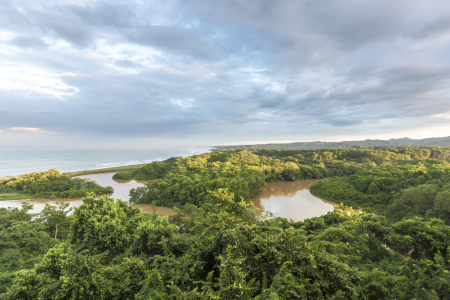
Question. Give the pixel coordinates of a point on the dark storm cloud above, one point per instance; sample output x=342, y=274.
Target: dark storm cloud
x=152, y=68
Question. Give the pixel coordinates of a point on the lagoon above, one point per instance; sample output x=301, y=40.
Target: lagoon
x=292, y=200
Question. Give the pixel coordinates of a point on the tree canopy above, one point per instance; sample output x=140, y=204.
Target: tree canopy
x=223, y=250
x=51, y=184
x=217, y=245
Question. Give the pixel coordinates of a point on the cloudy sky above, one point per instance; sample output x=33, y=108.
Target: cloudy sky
x=140, y=73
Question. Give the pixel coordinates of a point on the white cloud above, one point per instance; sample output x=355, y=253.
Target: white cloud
x=183, y=103
x=29, y=79
x=6, y=35
x=445, y=115
x=261, y=115
x=30, y=130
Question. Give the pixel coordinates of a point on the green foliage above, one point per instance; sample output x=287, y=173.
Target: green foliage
x=222, y=250
x=15, y=196
x=50, y=184
x=398, y=190
x=10, y=215
x=442, y=206
x=101, y=225
x=357, y=239
x=420, y=238
x=414, y=201
x=23, y=242
x=155, y=237
x=192, y=183
x=20, y=236
x=154, y=170
x=427, y=278
x=217, y=246
x=56, y=219
x=355, y=177
x=338, y=190
x=432, y=143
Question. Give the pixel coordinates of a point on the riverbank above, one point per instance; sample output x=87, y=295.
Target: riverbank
x=15, y=196
x=356, y=210
x=121, y=191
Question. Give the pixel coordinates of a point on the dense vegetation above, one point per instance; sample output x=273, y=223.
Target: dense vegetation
x=151, y=171
x=217, y=246
x=25, y=238
x=429, y=142
x=420, y=188
x=50, y=184
x=393, y=181
x=220, y=250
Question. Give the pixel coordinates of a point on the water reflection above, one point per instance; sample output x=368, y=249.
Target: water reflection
x=121, y=191
x=148, y=208
x=39, y=204
x=292, y=200
x=121, y=187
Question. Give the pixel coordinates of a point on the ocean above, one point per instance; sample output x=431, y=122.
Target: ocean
x=16, y=161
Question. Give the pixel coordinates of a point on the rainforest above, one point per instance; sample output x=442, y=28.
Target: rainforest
x=219, y=246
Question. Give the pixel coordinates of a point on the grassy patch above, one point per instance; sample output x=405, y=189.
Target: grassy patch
x=15, y=196
x=106, y=170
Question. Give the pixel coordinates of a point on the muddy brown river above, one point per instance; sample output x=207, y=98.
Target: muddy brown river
x=290, y=199
x=121, y=191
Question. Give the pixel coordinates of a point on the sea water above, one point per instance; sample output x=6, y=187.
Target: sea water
x=16, y=161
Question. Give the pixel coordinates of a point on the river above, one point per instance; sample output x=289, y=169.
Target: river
x=289, y=199
x=292, y=200
x=121, y=191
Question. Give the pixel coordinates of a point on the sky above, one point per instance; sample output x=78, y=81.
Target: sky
x=199, y=72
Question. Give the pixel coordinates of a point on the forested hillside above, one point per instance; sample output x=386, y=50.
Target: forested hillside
x=428, y=142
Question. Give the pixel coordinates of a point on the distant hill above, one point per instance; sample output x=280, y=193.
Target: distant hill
x=441, y=142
